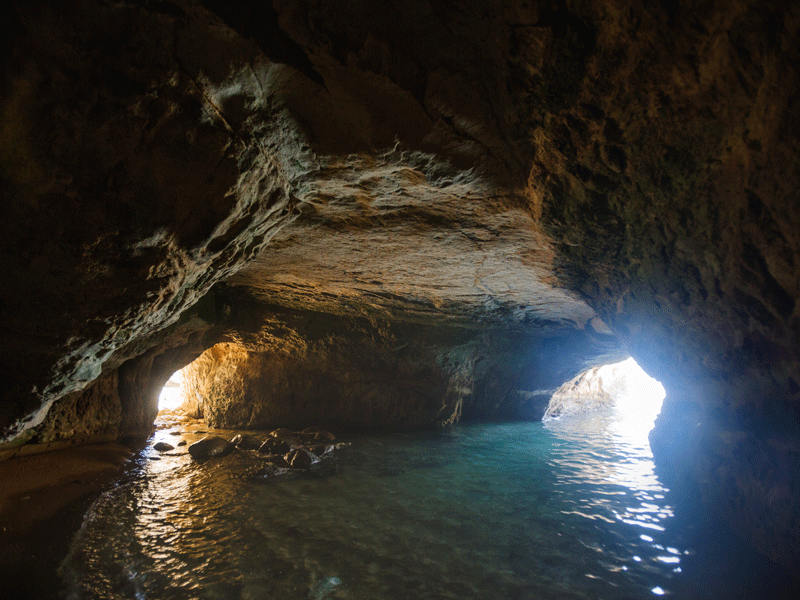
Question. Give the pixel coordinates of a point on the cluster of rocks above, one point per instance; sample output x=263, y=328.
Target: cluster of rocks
x=282, y=450
x=285, y=449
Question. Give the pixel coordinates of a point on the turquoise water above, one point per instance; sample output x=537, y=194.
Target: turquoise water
x=565, y=509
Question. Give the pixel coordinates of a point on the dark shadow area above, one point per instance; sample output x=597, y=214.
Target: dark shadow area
x=722, y=565
x=44, y=499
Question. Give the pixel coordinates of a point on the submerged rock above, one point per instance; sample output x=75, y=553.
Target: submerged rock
x=270, y=470
x=277, y=460
x=210, y=447
x=163, y=447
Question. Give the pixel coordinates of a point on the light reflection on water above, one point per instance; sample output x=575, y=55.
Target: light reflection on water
x=605, y=454
x=569, y=509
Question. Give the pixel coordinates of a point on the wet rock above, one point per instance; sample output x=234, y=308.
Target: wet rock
x=163, y=447
x=246, y=442
x=293, y=440
x=182, y=443
x=270, y=471
x=312, y=435
x=281, y=432
x=274, y=446
x=301, y=458
x=277, y=460
x=319, y=433
x=323, y=449
x=210, y=447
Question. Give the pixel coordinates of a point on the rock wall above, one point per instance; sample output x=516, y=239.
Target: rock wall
x=585, y=393
x=302, y=368
x=126, y=193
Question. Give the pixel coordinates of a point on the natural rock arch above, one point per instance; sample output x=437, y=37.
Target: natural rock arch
x=175, y=172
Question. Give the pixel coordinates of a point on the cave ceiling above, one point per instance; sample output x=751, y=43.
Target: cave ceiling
x=537, y=165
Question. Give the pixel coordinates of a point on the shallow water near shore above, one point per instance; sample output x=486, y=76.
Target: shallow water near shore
x=565, y=509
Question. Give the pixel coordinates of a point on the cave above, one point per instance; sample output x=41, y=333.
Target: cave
x=417, y=227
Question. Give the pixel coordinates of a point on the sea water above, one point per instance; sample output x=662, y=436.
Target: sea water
x=566, y=509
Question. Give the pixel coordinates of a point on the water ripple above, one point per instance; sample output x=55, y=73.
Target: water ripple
x=494, y=511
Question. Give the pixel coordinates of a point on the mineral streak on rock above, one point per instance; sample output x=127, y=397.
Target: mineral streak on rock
x=406, y=215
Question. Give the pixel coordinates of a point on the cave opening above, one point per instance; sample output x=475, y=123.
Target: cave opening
x=637, y=396
x=173, y=394
x=623, y=387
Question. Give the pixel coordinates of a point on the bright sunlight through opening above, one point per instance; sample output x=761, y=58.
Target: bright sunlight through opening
x=172, y=393
x=638, y=396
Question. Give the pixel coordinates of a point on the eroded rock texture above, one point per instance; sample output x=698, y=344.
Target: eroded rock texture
x=585, y=393
x=300, y=368
x=430, y=181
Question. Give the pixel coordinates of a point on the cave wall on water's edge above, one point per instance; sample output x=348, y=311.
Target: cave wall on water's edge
x=455, y=192
x=302, y=368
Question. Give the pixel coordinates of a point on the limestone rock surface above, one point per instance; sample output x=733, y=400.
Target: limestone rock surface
x=303, y=368
x=585, y=393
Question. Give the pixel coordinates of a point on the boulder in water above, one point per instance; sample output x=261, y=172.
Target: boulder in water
x=281, y=432
x=323, y=449
x=274, y=446
x=245, y=442
x=324, y=436
x=210, y=447
x=163, y=447
x=301, y=458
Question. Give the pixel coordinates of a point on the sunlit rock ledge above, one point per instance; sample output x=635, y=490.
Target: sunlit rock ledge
x=471, y=202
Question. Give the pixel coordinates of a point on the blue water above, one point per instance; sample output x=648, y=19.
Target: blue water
x=565, y=509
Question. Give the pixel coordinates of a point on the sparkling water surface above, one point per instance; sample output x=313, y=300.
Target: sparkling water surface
x=565, y=509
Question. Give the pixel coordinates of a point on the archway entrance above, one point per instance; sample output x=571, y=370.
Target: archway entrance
x=173, y=394
x=634, y=396
x=637, y=396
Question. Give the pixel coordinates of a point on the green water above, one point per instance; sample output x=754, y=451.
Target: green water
x=565, y=509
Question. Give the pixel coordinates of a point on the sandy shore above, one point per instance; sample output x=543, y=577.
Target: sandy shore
x=43, y=499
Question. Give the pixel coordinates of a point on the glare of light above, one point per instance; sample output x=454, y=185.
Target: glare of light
x=638, y=396
x=171, y=396
x=658, y=591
